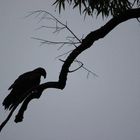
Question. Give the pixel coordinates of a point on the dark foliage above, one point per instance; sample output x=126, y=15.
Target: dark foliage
x=103, y=7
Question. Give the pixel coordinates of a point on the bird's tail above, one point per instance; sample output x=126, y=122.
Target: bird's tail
x=9, y=102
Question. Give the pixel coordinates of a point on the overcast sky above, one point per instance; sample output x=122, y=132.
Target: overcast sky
x=106, y=107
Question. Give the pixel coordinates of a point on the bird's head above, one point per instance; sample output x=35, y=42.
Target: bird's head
x=41, y=71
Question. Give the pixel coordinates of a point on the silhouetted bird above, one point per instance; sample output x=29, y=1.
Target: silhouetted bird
x=21, y=86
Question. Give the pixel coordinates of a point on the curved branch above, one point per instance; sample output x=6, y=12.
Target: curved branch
x=86, y=43
x=81, y=65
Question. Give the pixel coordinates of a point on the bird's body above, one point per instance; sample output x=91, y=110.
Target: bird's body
x=21, y=86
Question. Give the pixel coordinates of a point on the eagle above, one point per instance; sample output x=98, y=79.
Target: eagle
x=21, y=86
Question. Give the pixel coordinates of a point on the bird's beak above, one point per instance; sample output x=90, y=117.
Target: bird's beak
x=44, y=75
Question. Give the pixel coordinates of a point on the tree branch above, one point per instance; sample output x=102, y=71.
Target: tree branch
x=45, y=13
x=86, y=43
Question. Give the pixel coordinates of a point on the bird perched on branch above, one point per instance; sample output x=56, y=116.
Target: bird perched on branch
x=21, y=86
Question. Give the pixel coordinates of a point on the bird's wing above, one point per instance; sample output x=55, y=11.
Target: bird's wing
x=19, y=88
x=21, y=80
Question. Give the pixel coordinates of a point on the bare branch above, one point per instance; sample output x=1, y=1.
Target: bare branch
x=86, y=43
x=43, y=41
x=89, y=71
x=64, y=54
x=39, y=12
x=79, y=62
x=56, y=29
x=81, y=65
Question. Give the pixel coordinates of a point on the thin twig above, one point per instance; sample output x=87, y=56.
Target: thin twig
x=54, y=18
x=89, y=71
x=44, y=41
x=81, y=65
x=63, y=54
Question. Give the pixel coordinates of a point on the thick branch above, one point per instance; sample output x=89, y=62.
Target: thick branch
x=86, y=43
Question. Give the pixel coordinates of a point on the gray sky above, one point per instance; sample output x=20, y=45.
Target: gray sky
x=99, y=108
